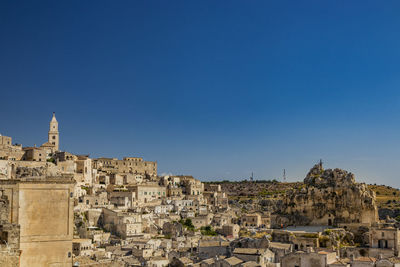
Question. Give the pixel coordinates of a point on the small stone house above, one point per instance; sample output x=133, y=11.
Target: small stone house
x=261, y=256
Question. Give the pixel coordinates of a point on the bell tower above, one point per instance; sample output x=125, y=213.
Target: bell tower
x=54, y=137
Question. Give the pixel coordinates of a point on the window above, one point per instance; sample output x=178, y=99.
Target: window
x=54, y=137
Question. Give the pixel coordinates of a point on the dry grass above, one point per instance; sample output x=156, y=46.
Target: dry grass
x=386, y=196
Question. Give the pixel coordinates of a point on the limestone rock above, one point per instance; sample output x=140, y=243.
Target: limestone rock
x=330, y=197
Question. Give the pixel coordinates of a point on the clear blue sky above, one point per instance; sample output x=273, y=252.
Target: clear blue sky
x=216, y=89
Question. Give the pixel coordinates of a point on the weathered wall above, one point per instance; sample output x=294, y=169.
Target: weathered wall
x=44, y=211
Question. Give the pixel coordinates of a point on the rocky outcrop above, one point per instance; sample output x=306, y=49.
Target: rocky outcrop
x=329, y=197
x=320, y=178
x=172, y=229
x=48, y=169
x=30, y=172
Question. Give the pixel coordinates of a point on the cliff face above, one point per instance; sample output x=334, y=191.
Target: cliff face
x=330, y=197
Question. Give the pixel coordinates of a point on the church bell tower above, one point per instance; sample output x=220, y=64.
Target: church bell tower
x=54, y=137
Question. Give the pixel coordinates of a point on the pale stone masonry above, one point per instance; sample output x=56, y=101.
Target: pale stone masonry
x=58, y=209
x=43, y=208
x=54, y=135
x=8, y=151
x=128, y=165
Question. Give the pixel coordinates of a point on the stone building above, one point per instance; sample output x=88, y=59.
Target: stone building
x=231, y=230
x=132, y=165
x=202, y=220
x=211, y=248
x=84, y=167
x=385, y=239
x=5, y=169
x=260, y=256
x=9, y=151
x=123, y=224
x=82, y=247
x=42, y=206
x=46, y=150
x=266, y=220
x=9, y=235
x=214, y=197
x=94, y=200
x=64, y=156
x=53, y=142
x=300, y=240
x=34, y=154
x=5, y=140
x=148, y=192
x=310, y=258
x=192, y=186
x=122, y=199
x=251, y=220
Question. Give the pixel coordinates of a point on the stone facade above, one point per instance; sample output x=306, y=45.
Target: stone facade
x=127, y=165
x=385, y=238
x=9, y=151
x=34, y=154
x=43, y=208
x=148, y=192
x=54, y=135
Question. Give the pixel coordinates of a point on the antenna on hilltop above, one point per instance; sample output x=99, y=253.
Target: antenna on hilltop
x=251, y=177
x=284, y=175
x=320, y=164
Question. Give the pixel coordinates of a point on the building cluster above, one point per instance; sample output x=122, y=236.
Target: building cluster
x=62, y=209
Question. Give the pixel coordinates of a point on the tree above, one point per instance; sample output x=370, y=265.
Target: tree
x=208, y=230
x=188, y=224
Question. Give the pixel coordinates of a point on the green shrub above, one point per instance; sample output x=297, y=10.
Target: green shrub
x=207, y=230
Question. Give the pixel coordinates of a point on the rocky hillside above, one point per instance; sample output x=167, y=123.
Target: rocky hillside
x=265, y=193
x=388, y=201
x=329, y=197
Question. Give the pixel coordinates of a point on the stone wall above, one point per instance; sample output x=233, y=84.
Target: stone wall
x=43, y=207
